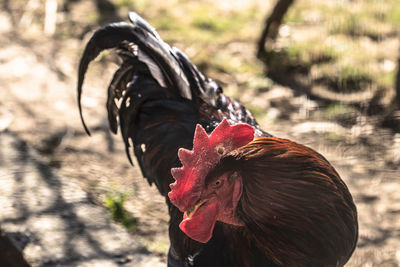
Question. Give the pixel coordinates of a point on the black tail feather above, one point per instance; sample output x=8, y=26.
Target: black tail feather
x=141, y=23
x=116, y=88
x=195, y=77
x=152, y=51
x=107, y=37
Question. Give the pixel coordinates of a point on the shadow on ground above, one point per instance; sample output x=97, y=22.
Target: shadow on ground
x=51, y=218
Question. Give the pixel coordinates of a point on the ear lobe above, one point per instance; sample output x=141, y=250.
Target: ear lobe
x=236, y=195
x=237, y=192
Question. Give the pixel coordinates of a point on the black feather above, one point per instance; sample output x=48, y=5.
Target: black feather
x=119, y=34
x=115, y=92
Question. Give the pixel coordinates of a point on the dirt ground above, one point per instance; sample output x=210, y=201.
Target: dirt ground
x=53, y=221
x=38, y=104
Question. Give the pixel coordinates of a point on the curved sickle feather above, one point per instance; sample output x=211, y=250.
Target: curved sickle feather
x=105, y=38
x=139, y=33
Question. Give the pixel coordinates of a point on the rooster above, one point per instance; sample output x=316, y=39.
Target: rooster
x=236, y=195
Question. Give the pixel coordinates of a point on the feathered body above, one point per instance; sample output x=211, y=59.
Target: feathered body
x=283, y=215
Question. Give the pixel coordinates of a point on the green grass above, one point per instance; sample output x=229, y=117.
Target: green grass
x=385, y=79
x=257, y=111
x=160, y=247
x=208, y=32
x=344, y=114
x=334, y=137
x=348, y=51
x=358, y=25
x=311, y=51
x=204, y=25
x=115, y=204
x=337, y=109
x=393, y=14
x=209, y=20
x=260, y=83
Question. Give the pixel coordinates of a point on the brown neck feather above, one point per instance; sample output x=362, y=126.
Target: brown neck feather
x=295, y=207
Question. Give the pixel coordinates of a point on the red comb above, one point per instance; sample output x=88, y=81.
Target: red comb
x=206, y=152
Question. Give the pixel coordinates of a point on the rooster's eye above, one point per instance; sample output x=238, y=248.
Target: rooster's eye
x=218, y=183
x=221, y=150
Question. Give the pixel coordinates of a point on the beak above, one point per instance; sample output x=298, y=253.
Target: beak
x=190, y=212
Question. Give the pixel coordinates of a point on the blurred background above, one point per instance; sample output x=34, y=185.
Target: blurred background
x=323, y=73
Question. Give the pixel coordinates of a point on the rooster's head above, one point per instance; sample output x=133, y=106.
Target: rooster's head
x=205, y=199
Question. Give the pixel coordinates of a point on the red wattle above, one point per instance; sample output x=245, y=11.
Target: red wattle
x=200, y=227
